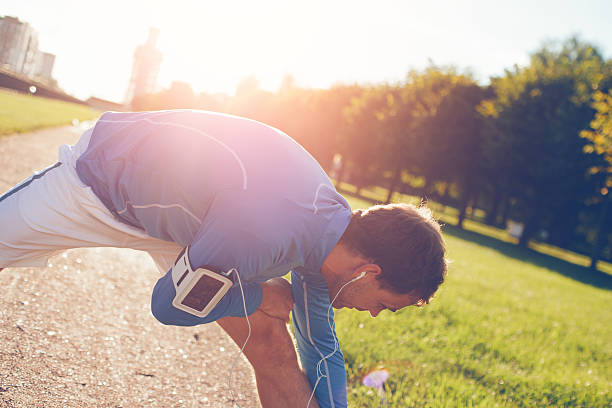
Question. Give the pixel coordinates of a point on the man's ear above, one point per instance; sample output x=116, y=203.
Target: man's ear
x=371, y=269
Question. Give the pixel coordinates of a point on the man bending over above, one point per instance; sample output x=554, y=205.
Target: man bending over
x=225, y=206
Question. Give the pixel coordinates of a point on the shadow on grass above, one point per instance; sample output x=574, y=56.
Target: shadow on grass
x=579, y=273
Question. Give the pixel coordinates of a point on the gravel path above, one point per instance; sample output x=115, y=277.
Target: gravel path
x=79, y=333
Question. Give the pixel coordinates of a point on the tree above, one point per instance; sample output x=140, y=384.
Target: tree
x=361, y=140
x=179, y=96
x=410, y=125
x=251, y=101
x=455, y=143
x=537, y=116
x=600, y=138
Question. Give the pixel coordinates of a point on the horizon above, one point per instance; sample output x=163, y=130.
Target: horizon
x=213, y=47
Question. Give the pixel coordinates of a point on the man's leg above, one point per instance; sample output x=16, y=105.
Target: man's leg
x=270, y=350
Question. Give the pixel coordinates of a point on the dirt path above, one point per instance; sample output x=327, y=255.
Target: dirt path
x=79, y=333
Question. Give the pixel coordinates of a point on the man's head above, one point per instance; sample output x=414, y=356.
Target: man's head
x=399, y=252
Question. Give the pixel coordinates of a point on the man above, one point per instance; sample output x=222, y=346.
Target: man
x=235, y=198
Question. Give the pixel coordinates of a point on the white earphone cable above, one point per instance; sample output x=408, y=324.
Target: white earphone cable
x=246, y=315
x=336, y=344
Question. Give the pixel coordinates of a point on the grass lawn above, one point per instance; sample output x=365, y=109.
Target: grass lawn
x=23, y=113
x=511, y=327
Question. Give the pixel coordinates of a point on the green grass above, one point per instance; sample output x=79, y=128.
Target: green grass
x=511, y=327
x=23, y=113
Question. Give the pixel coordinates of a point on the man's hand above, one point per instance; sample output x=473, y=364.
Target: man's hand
x=277, y=300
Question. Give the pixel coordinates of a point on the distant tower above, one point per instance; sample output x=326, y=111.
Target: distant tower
x=147, y=60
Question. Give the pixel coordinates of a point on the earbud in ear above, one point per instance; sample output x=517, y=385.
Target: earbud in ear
x=357, y=278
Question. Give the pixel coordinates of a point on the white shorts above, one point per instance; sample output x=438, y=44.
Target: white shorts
x=53, y=210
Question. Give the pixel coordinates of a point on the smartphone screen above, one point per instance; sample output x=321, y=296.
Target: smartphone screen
x=202, y=293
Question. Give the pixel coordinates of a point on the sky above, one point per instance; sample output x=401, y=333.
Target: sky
x=213, y=45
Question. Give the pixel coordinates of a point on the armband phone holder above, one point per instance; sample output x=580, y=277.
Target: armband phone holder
x=199, y=291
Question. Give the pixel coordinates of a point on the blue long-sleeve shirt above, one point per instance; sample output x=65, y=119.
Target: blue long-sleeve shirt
x=241, y=195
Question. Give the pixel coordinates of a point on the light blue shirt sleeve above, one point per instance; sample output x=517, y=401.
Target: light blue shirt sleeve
x=238, y=232
x=317, y=344
x=230, y=305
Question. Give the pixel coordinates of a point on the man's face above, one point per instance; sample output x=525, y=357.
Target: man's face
x=369, y=294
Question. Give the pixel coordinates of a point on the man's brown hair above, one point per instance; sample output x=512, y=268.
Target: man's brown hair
x=406, y=242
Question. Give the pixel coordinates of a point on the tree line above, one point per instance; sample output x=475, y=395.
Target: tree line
x=533, y=146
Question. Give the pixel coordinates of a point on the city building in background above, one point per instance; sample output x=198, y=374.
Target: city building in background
x=19, y=51
x=45, y=65
x=147, y=60
x=14, y=40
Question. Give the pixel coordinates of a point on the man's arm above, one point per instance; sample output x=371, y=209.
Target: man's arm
x=319, y=353
x=235, y=234
x=230, y=305
x=268, y=298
